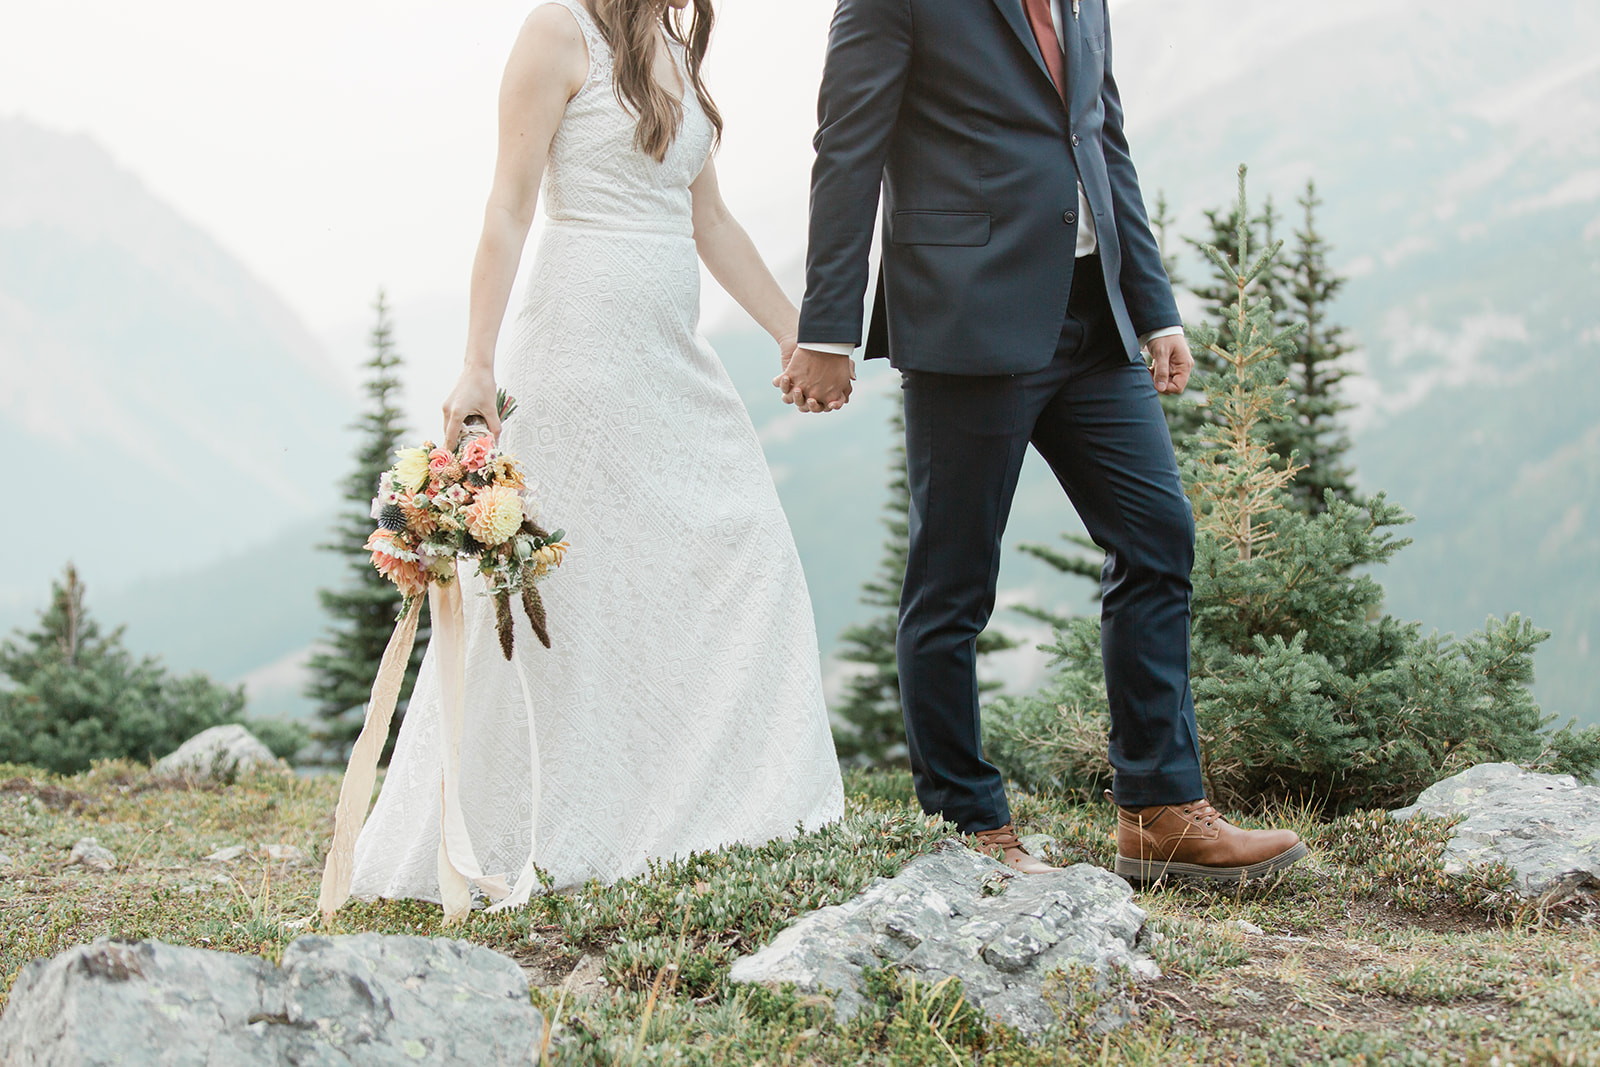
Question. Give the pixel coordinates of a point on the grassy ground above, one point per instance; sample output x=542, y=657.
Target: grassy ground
x=1367, y=953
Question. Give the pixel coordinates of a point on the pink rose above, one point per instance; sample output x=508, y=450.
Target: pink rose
x=477, y=453
x=438, y=460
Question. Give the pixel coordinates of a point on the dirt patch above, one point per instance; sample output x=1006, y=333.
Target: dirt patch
x=53, y=797
x=549, y=965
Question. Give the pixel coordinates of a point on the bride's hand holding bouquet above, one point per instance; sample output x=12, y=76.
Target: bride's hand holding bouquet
x=473, y=394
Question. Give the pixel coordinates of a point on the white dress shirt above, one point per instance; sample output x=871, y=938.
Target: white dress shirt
x=1088, y=239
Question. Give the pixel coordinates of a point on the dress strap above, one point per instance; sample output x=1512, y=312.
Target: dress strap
x=593, y=39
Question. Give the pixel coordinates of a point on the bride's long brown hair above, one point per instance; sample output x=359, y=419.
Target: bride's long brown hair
x=629, y=29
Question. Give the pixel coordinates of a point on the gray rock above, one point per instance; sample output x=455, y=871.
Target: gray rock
x=229, y=854
x=1546, y=827
x=1042, y=845
x=219, y=753
x=1244, y=926
x=366, y=999
x=287, y=855
x=87, y=852
x=956, y=912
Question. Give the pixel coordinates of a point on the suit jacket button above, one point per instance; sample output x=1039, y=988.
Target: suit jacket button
x=1074, y=140
x=1069, y=217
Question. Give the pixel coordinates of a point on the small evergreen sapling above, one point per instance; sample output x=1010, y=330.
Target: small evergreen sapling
x=362, y=612
x=1304, y=689
x=1316, y=370
x=76, y=695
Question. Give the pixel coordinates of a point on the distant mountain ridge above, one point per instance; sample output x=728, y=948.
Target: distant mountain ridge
x=184, y=411
x=1456, y=144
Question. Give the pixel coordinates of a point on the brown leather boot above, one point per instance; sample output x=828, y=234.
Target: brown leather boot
x=1194, y=841
x=1004, y=846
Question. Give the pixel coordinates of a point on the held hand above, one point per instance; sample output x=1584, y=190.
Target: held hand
x=786, y=347
x=816, y=381
x=1171, y=363
x=473, y=395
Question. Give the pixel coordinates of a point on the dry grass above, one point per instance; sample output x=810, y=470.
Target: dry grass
x=1368, y=952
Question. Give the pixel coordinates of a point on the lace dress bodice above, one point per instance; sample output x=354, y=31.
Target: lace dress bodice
x=597, y=177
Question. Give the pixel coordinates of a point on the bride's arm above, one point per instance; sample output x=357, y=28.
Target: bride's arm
x=547, y=67
x=731, y=256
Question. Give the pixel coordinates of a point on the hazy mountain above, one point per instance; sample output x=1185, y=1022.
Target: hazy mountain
x=1457, y=147
x=174, y=409
x=1456, y=144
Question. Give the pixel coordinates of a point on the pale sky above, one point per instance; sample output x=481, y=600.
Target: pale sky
x=334, y=146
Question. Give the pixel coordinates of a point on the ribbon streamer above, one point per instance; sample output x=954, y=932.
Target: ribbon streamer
x=458, y=864
x=355, y=792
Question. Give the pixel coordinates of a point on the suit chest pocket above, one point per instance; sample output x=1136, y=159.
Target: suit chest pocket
x=939, y=228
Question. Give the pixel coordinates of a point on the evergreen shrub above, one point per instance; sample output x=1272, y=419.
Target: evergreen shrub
x=1305, y=690
x=72, y=695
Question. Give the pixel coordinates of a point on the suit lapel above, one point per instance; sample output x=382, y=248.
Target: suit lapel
x=1074, y=51
x=1017, y=19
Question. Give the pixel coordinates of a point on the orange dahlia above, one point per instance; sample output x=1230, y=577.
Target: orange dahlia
x=507, y=471
x=397, y=563
x=419, y=519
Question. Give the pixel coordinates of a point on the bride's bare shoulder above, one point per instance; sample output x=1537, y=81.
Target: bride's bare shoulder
x=551, y=44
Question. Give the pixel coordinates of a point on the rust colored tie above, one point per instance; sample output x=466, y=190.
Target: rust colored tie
x=1049, y=44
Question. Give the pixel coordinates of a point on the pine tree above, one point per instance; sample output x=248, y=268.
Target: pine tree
x=1186, y=414
x=1304, y=689
x=1317, y=369
x=873, y=729
x=1299, y=288
x=363, y=611
x=77, y=695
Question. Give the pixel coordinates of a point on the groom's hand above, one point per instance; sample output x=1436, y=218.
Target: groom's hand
x=816, y=381
x=1170, y=363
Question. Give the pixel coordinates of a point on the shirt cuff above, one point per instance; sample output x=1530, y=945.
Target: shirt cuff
x=832, y=348
x=1165, y=331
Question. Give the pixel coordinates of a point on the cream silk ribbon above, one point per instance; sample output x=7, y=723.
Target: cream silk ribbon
x=457, y=862
x=355, y=792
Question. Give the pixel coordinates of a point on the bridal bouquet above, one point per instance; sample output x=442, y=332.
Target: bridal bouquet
x=435, y=506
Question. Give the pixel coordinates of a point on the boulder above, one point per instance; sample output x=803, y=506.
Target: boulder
x=957, y=912
x=229, y=854
x=1545, y=827
x=87, y=852
x=218, y=754
x=286, y=855
x=363, y=999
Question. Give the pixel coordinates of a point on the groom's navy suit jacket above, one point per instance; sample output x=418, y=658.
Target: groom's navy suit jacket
x=948, y=104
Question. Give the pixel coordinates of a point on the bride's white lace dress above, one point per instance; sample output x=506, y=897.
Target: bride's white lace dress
x=681, y=707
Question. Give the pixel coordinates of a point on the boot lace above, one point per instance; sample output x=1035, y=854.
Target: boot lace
x=1202, y=811
x=1002, y=838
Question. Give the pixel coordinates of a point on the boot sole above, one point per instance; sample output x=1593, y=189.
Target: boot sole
x=1151, y=870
